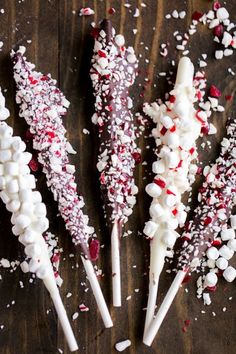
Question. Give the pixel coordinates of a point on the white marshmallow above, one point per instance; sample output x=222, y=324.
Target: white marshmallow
x=150, y=228
x=27, y=208
x=5, y=197
x=12, y=186
x=156, y=210
x=167, y=122
x=181, y=217
x=5, y=143
x=41, y=225
x=169, y=238
x=5, y=155
x=13, y=206
x=153, y=190
x=212, y=253
x=17, y=144
x=30, y=180
x=210, y=280
x=24, y=170
x=229, y=274
x=211, y=263
x=4, y=113
x=25, y=195
x=226, y=252
x=36, y=197
x=33, y=250
x=227, y=234
x=173, y=140
x=232, y=244
x=158, y=167
x=22, y=157
x=11, y=168
x=170, y=200
x=1, y=169
x=172, y=159
x=16, y=230
x=222, y=263
x=227, y=39
x=5, y=130
x=222, y=14
x=233, y=221
x=30, y=236
x=40, y=209
x=23, y=221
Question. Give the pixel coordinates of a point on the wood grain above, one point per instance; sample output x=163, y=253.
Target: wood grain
x=60, y=44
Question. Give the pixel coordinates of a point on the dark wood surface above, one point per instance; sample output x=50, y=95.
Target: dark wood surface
x=62, y=46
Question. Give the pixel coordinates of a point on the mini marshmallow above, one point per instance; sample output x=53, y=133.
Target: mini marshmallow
x=233, y=221
x=153, y=190
x=23, y=221
x=150, y=228
x=212, y=253
x=5, y=155
x=170, y=200
x=13, y=206
x=25, y=195
x=167, y=122
x=12, y=186
x=156, y=210
x=222, y=263
x=16, y=230
x=211, y=263
x=158, y=167
x=232, y=244
x=36, y=197
x=22, y=157
x=210, y=280
x=11, y=168
x=226, y=252
x=40, y=209
x=33, y=250
x=173, y=140
x=5, y=197
x=17, y=144
x=5, y=130
x=27, y=208
x=2, y=182
x=33, y=265
x=169, y=238
x=172, y=159
x=5, y=143
x=41, y=225
x=227, y=234
x=30, y=236
x=30, y=180
x=24, y=170
x=229, y=274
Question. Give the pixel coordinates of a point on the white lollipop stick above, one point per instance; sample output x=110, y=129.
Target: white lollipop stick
x=97, y=292
x=156, y=323
x=115, y=257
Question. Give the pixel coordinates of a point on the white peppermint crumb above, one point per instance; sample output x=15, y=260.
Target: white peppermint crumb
x=175, y=14
x=230, y=298
x=168, y=16
x=29, y=41
x=136, y=290
x=120, y=346
x=128, y=298
x=202, y=64
x=206, y=299
x=68, y=295
x=5, y=263
x=75, y=315
x=137, y=13
x=213, y=314
x=182, y=14
x=60, y=351
x=224, y=309
x=186, y=290
x=86, y=131
x=143, y=4
x=135, y=31
x=127, y=5
x=2, y=326
x=202, y=311
x=2, y=11
x=1, y=44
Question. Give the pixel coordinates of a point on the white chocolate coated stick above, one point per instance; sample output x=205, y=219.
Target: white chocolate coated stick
x=165, y=236
x=97, y=292
x=156, y=323
x=115, y=258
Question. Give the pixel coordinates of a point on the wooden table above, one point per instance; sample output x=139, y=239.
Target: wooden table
x=58, y=41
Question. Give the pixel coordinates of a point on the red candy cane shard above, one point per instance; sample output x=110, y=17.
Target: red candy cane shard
x=217, y=198
x=43, y=106
x=113, y=71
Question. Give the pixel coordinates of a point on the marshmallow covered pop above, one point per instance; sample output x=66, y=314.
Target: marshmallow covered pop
x=113, y=71
x=216, y=201
x=17, y=191
x=43, y=105
x=178, y=126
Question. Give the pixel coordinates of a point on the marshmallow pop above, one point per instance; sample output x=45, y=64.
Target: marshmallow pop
x=17, y=191
x=217, y=198
x=113, y=71
x=43, y=105
x=178, y=126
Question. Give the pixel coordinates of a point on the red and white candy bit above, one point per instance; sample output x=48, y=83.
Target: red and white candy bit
x=43, y=105
x=17, y=191
x=216, y=200
x=178, y=126
x=113, y=71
